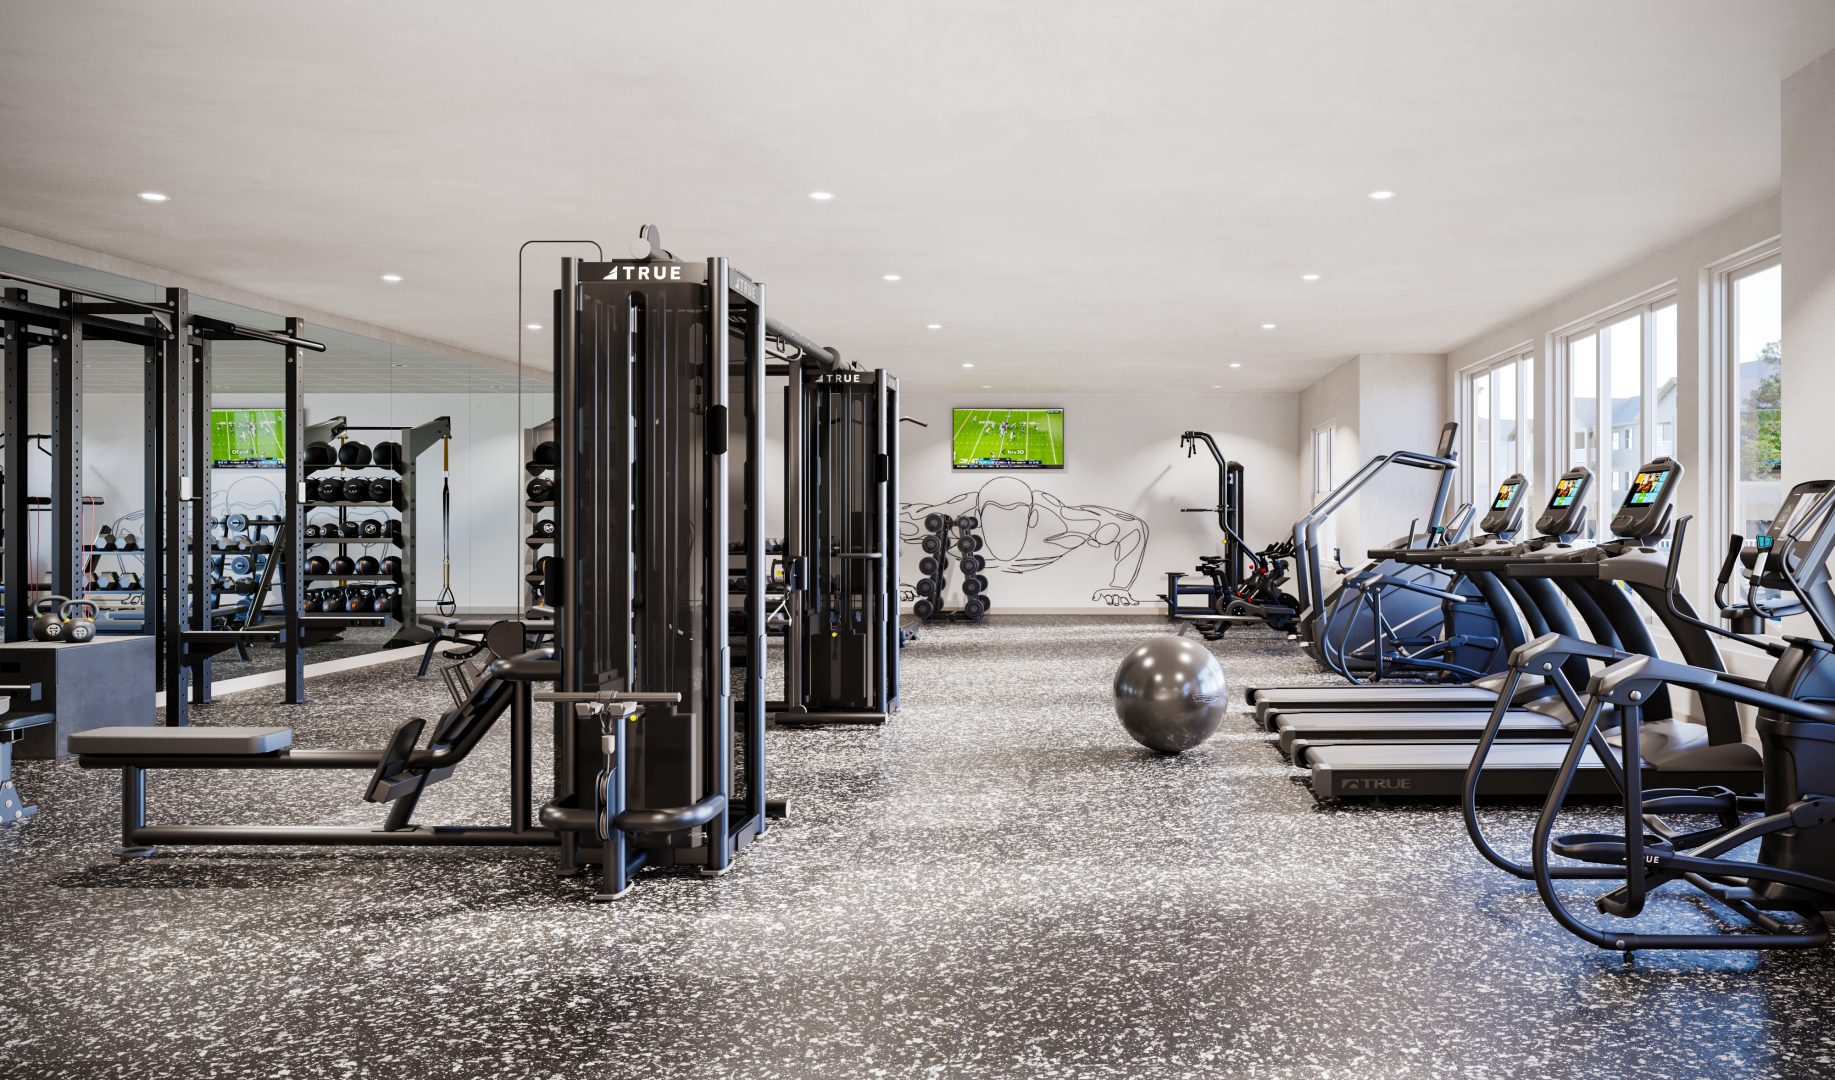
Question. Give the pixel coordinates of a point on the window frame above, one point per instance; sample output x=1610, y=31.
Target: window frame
x=1723, y=404
x=1524, y=357
x=1645, y=305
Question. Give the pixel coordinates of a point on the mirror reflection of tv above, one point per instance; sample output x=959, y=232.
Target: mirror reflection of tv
x=248, y=438
x=1007, y=438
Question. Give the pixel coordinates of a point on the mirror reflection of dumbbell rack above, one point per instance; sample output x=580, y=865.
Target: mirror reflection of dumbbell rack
x=777, y=590
x=538, y=506
x=240, y=548
x=946, y=537
x=355, y=483
x=122, y=578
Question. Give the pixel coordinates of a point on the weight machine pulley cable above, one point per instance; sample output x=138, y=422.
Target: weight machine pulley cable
x=447, y=604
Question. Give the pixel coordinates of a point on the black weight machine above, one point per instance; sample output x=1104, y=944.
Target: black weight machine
x=1243, y=585
x=659, y=756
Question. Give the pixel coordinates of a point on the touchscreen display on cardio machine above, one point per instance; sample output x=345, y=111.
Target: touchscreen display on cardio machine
x=1564, y=493
x=1647, y=487
x=1506, y=494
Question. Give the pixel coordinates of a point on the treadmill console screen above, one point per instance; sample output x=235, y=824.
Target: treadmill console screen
x=1566, y=489
x=1506, y=496
x=1647, y=488
x=1645, y=512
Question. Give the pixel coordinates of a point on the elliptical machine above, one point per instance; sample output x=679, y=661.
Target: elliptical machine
x=1243, y=585
x=1794, y=871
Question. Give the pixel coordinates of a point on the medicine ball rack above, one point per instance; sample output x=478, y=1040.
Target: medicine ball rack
x=177, y=346
x=403, y=605
x=946, y=537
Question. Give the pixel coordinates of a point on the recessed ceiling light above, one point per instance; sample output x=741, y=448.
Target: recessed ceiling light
x=987, y=386
x=401, y=365
x=391, y=278
x=1382, y=195
x=154, y=196
x=891, y=277
x=821, y=196
x=1219, y=386
x=1309, y=277
x=535, y=326
x=968, y=365
x=1267, y=326
x=1235, y=365
x=933, y=326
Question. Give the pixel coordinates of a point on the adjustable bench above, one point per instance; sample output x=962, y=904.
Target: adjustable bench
x=450, y=629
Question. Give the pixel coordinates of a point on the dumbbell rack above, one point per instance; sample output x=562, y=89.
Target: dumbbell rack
x=947, y=536
x=96, y=552
x=403, y=608
x=533, y=509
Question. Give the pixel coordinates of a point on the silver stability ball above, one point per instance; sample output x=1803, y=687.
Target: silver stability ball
x=1170, y=693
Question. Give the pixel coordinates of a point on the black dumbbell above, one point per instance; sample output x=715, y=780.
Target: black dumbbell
x=131, y=581
x=111, y=580
x=241, y=564
x=969, y=542
x=924, y=609
x=931, y=543
x=983, y=579
x=935, y=522
x=105, y=539
x=972, y=586
x=540, y=489
x=931, y=586
x=975, y=606
x=343, y=565
x=368, y=566
x=972, y=564
x=130, y=542
x=372, y=529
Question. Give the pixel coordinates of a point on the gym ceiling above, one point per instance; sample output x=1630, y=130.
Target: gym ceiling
x=1076, y=193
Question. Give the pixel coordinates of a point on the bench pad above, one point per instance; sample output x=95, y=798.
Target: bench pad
x=22, y=721
x=187, y=741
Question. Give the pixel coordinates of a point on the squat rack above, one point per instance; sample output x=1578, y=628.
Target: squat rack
x=176, y=396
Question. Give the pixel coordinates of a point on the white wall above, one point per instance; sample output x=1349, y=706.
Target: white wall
x=1123, y=454
x=1333, y=400
x=1809, y=271
x=1685, y=265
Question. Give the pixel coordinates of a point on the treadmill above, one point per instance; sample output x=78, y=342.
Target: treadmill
x=1561, y=521
x=1712, y=753
x=1535, y=709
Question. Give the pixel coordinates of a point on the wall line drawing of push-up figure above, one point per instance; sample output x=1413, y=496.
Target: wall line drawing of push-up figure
x=1023, y=529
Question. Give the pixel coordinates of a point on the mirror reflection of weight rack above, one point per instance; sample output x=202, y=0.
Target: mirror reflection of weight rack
x=538, y=455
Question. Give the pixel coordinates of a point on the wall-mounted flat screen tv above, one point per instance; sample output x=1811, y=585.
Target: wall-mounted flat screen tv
x=1007, y=438
x=248, y=438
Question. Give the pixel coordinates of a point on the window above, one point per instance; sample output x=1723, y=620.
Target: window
x=1621, y=397
x=1754, y=349
x=1500, y=427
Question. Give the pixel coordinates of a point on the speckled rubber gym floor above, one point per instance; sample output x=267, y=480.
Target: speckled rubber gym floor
x=996, y=884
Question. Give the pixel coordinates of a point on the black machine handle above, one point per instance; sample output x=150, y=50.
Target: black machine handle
x=1672, y=592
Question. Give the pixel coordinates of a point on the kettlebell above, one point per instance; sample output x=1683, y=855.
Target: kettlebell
x=48, y=618
x=362, y=600
x=78, y=626
x=313, y=602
